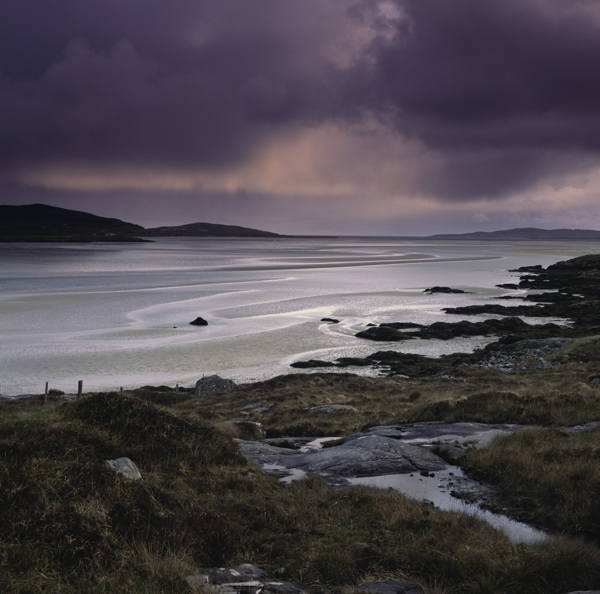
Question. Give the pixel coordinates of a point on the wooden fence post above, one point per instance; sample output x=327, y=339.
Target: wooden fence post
x=79, y=388
x=46, y=393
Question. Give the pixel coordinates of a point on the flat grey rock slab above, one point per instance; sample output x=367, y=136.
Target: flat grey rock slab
x=478, y=435
x=378, y=451
x=360, y=455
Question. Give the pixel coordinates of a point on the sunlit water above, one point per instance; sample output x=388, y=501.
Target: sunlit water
x=118, y=315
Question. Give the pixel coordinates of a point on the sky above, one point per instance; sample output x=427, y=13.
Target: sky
x=353, y=117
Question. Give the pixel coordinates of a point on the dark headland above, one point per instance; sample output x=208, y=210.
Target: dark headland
x=524, y=234
x=43, y=223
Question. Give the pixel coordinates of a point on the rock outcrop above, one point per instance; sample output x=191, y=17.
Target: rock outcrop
x=447, y=290
x=213, y=384
x=199, y=322
x=251, y=580
x=125, y=467
x=378, y=451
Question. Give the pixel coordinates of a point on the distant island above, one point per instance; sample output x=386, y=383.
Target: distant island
x=525, y=234
x=207, y=230
x=43, y=223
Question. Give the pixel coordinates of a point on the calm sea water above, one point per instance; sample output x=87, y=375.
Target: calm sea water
x=118, y=315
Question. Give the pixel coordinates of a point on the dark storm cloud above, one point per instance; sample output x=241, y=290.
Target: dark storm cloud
x=475, y=73
x=497, y=90
x=143, y=82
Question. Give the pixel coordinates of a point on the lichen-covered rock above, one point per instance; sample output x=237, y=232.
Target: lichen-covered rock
x=125, y=467
x=213, y=384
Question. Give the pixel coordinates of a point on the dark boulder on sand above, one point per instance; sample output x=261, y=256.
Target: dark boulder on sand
x=436, y=289
x=199, y=322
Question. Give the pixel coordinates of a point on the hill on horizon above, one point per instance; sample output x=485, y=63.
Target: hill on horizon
x=44, y=223
x=525, y=234
x=41, y=222
x=207, y=230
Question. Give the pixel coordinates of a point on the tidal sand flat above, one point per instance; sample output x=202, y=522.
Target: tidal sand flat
x=118, y=315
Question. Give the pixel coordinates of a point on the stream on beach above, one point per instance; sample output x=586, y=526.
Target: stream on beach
x=116, y=315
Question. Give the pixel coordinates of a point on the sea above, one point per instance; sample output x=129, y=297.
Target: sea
x=118, y=315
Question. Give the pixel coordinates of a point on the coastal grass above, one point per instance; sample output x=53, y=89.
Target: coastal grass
x=548, y=477
x=71, y=525
x=562, y=404
x=562, y=396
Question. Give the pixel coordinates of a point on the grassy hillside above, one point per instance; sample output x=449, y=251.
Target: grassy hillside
x=71, y=525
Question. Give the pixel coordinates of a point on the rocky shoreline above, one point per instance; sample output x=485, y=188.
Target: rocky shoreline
x=567, y=290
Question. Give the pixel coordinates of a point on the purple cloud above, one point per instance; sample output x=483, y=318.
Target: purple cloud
x=500, y=94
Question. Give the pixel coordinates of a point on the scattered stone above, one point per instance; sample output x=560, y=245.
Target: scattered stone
x=199, y=322
x=245, y=578
x=125, y=467
x=523, y=355
x=249, y=429
x=329, y=408
x=255, y=407
x=213, y=384
x=330, y=320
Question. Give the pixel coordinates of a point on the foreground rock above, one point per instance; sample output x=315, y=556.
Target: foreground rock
x=243, y=578
x=383, y=450
x=213, y=384
x=359, y=456
x=124, y=466
x=250, y=579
